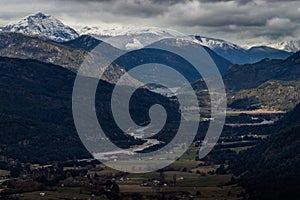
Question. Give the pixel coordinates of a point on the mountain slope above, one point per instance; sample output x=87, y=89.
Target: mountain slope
x=36, y=112
x=42, y=25
x=155, y=56
x=222, y=63
x=118, y=30
x=69, y=54
x=260, y=52
x=271, y=169
x=252, y=75
x=131, y=38
x=128, y=37
x=228, y=50
x=72, y=53
x=273, y=95
x=21, y=46
x=290, y=46
x=239, y=55
x=83, y=42
x=269, y=84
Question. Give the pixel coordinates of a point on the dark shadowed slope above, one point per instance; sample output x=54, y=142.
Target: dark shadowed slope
x=36, y=112
x=271, y=170
x=252, y=75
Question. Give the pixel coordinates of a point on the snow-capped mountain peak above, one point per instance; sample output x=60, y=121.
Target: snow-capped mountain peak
x=128, y=37
x=111, y=30
x=213, y=43
x=43, y=25
x=290, y=46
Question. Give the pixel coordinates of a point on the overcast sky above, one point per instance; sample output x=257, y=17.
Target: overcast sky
x=241, y=21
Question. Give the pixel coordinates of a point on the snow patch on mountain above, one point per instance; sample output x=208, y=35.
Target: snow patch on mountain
x=42, y=25
x=128, y=37
x=291, y=46
x=112, y=30
x=213, y=43
x=136, y=44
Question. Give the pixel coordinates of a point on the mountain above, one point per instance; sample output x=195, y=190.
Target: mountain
x=69, y=54
x=72, y=53
x=84, y=42
x=44, y=26
x=108, y=30
x=151, y=54
x=217, y=43
x=249, y=76
x=36, y=120
x=128, y=37
x=269, y=84
x=261, y=52
x=31, y=47
x=239, y=55
x=273, y=95
x=36, y=112
x=271, y=169
x=222, y=63
x=290, y=46
x=131, y=38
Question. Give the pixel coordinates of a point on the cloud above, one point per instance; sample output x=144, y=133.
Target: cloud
x=236, y=20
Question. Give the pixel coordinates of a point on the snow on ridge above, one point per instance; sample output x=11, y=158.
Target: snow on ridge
x=217, y=43
x=42, y=25
x=112, y=30
x=291, y=46
x=126, y=37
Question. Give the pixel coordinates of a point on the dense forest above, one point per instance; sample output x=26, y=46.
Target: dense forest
x=271, y=170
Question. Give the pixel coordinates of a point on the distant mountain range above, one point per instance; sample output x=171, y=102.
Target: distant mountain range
x=129, y=38
x=239, y=55
x=44, y=38
x=117, y=30
x=290, y=46
x=70, y=53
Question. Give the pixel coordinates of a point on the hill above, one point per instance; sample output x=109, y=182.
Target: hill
x=249, y=76
x=36, y=112
x=274, y=95
x=271, y=169
x=69, y=54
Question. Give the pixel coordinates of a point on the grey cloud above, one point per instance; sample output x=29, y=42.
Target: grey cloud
x=229, y=19
x=238, y=2
x=167, y=2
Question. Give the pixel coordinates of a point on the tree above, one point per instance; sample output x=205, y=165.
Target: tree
x=174, y=178
x=16, y=170
x=221, y=170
